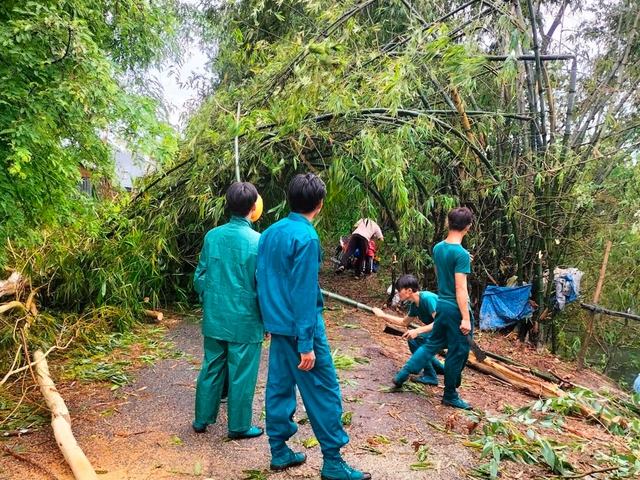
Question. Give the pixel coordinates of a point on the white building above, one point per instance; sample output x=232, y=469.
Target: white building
x=129, y=167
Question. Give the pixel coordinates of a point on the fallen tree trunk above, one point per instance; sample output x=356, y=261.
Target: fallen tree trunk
x=521, y=366
x=534, y=387
x=61, y=423
x=606, y=311
x=537, y=388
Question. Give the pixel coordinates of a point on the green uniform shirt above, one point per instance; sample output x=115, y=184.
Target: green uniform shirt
x=226, y=282
x=289, y=258
x=450, y=259
x=424, y=310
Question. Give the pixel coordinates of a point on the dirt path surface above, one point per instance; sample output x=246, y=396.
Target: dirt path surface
x=143, y=430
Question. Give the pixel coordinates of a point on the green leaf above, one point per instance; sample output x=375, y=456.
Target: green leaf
x=310, y=442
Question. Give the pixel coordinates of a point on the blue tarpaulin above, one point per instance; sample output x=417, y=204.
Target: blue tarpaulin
x=503, y=306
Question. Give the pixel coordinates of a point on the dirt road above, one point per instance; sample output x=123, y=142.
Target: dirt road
x=143, y=430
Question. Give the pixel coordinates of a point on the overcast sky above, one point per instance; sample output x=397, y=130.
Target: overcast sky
x=177, y=92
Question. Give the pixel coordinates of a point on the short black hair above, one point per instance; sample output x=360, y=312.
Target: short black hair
x=407, y=281
x=460, y=218
x=241, y=197
x=306, y=191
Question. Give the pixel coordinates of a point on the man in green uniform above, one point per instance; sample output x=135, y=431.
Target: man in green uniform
x=453, y=314
x=423, y=306
x=291, y=302
x=232, y=326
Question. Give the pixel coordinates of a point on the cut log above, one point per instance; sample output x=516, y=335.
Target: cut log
x=534, y=387
x=537, y=388
x=61, y=423
x=11, y=285
x=154, y=314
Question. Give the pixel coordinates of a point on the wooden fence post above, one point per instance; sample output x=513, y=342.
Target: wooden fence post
x=594, y=315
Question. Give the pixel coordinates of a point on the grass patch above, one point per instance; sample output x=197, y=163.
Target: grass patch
x=347, y=417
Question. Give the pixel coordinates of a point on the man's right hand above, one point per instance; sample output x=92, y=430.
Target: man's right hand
x=308, y=360
x=411, y=334
x=465, y=326
x=378, y=312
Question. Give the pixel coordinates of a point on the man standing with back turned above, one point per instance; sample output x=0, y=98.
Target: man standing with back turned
x=233, y=332
x=453, y=314
x=291, y=303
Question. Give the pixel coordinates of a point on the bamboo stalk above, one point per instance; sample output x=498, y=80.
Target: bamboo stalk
x=613, y=313
x=466, y=125
x=596, y=297
x=593, y=98
x=61, y=423
x=538, y=62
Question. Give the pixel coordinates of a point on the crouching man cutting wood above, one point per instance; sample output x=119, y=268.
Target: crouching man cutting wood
x=423, y=307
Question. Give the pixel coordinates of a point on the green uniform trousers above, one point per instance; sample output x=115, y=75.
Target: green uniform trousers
x=319, y=390
x=237, y=361
x=445, y=334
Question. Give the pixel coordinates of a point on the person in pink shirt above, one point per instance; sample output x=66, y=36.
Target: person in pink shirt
x=366, y=229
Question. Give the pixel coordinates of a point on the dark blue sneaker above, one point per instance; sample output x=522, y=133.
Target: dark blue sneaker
x=456, y=403
x=287, y=460
x=339, y=470
x=427, y=380
x=250, y=433
x=199, y=427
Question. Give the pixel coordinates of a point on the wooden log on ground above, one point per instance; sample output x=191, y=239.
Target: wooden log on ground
x=154, y=314
x=521, y=366
x=536, y=388
x=61, y=423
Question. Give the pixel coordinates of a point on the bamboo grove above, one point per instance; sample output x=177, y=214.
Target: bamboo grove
x=406, y=109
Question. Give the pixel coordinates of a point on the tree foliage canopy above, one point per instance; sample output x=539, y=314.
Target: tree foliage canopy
x=406, y=110
x=72, y=76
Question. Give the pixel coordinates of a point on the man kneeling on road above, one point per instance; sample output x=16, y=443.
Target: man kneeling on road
x=423, y=306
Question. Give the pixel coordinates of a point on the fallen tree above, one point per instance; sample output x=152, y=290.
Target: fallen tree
x=542, y=389
x=61, y=422
x=60, y=418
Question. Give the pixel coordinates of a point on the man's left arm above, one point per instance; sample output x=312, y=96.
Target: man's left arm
x=462, y=269
x=462, y=298
x=304, y=292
